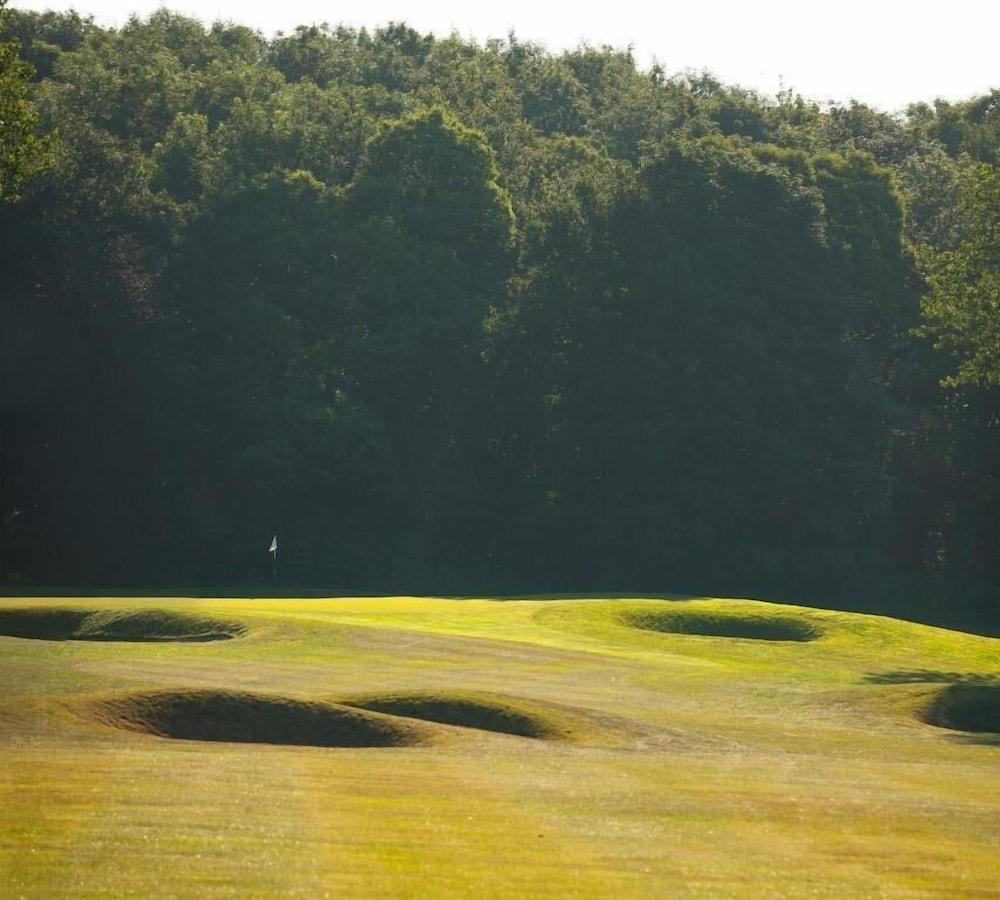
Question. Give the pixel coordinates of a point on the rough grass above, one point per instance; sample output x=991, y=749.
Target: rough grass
x=236, y=716
x=966, y=707
x=55, y=624
x=725, y=625
x=482, y=711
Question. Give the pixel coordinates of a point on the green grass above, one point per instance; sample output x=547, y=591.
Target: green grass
x=426, y=747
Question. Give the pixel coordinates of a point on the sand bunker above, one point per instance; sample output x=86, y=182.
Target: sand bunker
x=54, y=624
x=252, y=718
x=470, y=710
x=966, y=707
x=717, y=624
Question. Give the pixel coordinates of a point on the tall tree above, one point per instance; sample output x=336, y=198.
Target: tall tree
x=23, y=152
x=962, y=307
x=429, y=255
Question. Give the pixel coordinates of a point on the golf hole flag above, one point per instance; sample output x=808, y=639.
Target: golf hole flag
x=274, y=546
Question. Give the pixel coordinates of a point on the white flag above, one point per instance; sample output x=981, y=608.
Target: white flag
x=274, y=545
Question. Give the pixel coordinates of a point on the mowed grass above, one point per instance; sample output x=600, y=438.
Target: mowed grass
x=414, y=747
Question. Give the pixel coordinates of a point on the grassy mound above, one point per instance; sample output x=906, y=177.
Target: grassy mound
x=723, y=767
x=54, y=624
x=966, y=707
x=251, y=718
x=470, y=710
x=722, y=624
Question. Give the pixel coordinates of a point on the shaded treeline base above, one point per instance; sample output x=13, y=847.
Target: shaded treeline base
x=449, y=317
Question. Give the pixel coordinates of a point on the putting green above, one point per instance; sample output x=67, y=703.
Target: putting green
x=430, y=747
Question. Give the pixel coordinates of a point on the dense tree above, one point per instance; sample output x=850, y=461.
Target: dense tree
x=22, y=152
x=962, y=308
x=42, y=37
x=971, y=127
x=454, y=316
x=690, y=382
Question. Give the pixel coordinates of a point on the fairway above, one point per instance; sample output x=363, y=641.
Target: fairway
x=411, y=747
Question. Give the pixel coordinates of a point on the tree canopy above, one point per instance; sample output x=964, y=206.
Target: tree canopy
x=962, y=307
x=23, y=153
x=454, y=316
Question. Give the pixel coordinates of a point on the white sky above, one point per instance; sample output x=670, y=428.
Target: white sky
x=884, y=52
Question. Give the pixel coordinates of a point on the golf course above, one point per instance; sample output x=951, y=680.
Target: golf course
x=474, y=451
x=407, y=746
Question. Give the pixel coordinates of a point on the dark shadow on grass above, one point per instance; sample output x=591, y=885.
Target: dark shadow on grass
x=505, y=715
x=238, y=717
x=966, y=707
x=930, y=676
x=979, y=740
x=724, y=625
x=136, y=625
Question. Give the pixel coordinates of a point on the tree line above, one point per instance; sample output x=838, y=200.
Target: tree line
x=453, y=317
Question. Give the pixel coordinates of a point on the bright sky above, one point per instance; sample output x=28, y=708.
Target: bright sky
x=884, y=52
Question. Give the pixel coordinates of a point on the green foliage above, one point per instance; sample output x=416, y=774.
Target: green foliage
x=449, y=314
x=930, y=182
x=744, y=393
x=182, y=158
x=23, y=153
x=970, y=127
x=962, y=306
x=432, y=176
x=43, y=37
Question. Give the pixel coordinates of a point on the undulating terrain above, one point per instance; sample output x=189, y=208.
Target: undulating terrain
x=573, y=747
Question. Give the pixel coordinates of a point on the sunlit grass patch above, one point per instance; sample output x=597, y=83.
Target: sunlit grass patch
x=725, y=631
